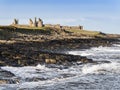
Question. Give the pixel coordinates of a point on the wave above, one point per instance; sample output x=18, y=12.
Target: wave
x=106, y=49
x=97, y=51
x=49, y=76
x=27, y=71
x=52, y=77
x=116, y=45
x=82, y=53
x=113, y=67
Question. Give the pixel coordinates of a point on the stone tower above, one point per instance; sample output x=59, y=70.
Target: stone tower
x=15, y=22
x=40, y=23
x=81, y=27
x=35, y=22
x=31, y=23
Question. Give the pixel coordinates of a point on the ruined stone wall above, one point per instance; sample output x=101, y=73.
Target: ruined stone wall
x=49, y=25
x=64, y=27
x=76, y=27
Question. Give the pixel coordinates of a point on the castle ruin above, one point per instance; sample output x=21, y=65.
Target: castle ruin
x=15, y=22
x=31, y=23
x=64, y=27
x=36, y=23
x=39, y=23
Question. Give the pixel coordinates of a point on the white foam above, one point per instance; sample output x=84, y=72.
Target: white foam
x=27, y=71
x=41, y=66
x=98, y=52
x=20, y=71
x=106, y=49
x=117, y=45
x=113, y=67
x=83, y=73
x=81, y=53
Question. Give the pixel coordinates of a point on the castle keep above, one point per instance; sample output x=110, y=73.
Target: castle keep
x=39, y=23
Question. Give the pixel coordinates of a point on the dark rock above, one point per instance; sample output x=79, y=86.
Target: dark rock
x=85, y=60
x=6, y=74
x=98, y=62
x=7, y=77
x=67, y=75
x=33, y=53
x=35, y=79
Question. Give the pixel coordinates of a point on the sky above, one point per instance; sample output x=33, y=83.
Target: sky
x=96, y=15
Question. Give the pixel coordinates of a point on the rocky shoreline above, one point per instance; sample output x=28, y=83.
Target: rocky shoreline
x=26, y=46
x=50, y=52
x=18, y=54
x=23, y=47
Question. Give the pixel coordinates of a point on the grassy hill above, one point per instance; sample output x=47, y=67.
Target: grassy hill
x=8, y=32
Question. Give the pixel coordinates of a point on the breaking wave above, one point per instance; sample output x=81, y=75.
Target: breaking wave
x=113, y=67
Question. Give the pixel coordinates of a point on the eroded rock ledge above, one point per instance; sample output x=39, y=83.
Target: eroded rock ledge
x=30, y=57
x=33, y=53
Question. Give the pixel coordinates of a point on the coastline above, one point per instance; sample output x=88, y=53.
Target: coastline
x=21, y=47
x=51, y=52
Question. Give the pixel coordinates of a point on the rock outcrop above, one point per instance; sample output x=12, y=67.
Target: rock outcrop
x=24, y=54
x=33, y=53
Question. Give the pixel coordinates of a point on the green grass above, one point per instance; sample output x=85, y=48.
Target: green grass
x=9, y=32
x=87, y=33
x=29, y=28
x=25, y=29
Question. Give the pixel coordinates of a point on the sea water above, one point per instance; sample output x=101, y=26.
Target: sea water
x=97, y=76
